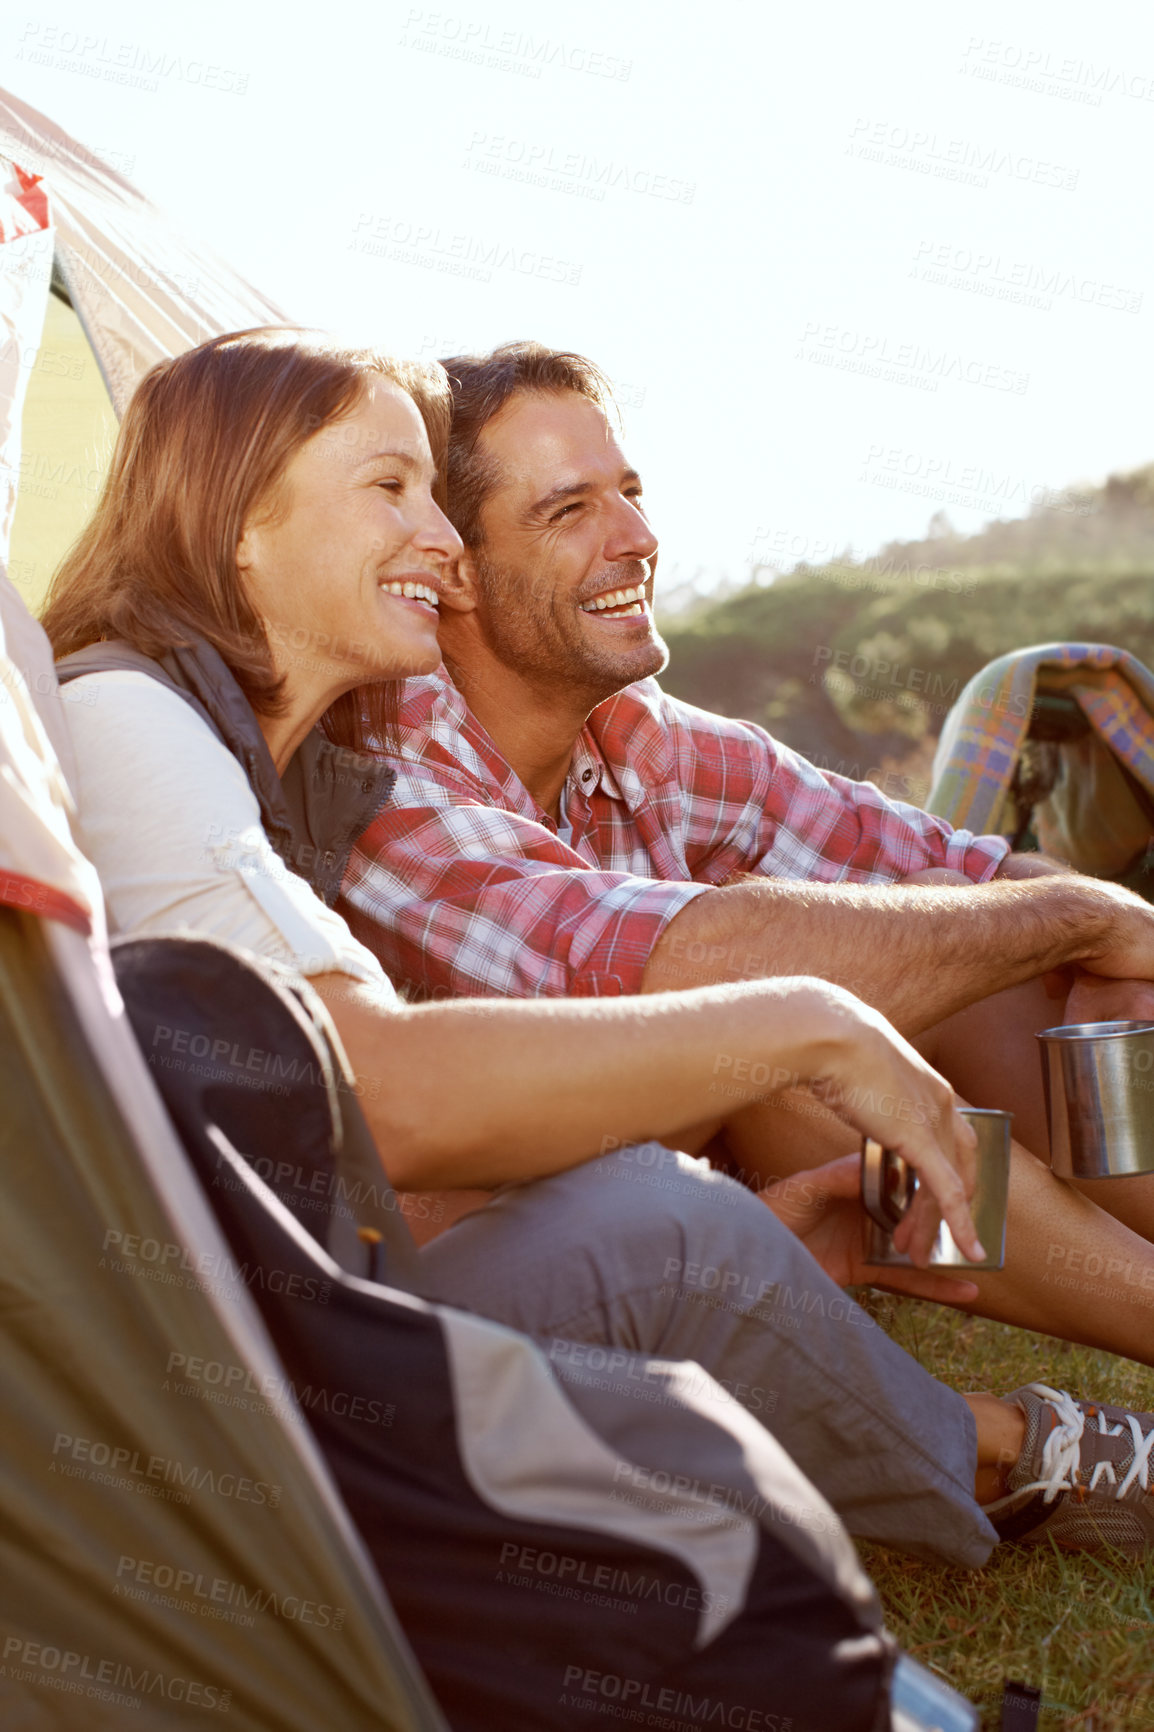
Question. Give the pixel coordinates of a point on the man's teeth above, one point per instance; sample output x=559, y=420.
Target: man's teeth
x=618, y=598
x=414, y=591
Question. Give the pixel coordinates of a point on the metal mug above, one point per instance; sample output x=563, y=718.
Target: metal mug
x=1099, y=1082
x=889, y=1184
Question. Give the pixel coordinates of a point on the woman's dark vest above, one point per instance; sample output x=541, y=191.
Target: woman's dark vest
x=312, y=814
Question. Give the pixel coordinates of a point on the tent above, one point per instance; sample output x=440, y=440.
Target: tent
x=69, y=429
x=127, y=290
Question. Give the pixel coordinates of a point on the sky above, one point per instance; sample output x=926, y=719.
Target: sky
x=848, y=266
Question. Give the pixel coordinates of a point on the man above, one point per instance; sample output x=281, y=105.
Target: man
x=561, y=826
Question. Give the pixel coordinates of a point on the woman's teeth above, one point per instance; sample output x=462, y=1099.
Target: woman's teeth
x=618, y=598
x=413, y=591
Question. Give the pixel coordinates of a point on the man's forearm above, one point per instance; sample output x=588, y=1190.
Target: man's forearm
x=918, y=953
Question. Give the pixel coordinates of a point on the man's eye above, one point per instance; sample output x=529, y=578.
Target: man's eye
x=564, y=511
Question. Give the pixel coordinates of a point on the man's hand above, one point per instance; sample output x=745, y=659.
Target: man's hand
x=1031, y=866
x=1093, y=998
x=1124, y=949
x=823, y=1207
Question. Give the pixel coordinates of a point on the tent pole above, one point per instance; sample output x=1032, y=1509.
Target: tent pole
x=59, y=267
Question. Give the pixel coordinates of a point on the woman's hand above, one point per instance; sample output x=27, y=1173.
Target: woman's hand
x=874, y=1080
x=823, y=1207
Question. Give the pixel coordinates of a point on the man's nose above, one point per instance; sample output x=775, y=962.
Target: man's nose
x=630, y=536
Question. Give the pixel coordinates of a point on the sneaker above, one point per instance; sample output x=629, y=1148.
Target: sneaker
x=1083, y=1478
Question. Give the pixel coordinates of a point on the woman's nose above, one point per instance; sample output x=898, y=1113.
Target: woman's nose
x=437, y=536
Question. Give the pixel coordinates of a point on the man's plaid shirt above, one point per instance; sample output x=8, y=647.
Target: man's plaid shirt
x=462, y=885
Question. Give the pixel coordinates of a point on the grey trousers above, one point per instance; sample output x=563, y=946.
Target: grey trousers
x=647, y=1252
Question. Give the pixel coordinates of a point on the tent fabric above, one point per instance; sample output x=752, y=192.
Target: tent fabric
x=26, y=250
x=68, y=431
x=40, y=866
x=27, y=241
x=142, y=292
x=984, y=733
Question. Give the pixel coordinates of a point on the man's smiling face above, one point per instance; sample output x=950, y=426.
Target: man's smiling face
x=564, y=577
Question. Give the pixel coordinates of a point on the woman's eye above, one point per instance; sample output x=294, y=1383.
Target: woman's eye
x=392, y=485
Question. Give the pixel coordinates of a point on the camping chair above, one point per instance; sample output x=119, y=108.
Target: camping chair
x=1053, y=748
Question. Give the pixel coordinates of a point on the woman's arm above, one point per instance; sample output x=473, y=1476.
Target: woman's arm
x=482, y=1092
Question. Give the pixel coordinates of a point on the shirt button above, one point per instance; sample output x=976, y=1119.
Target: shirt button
x=586, y=775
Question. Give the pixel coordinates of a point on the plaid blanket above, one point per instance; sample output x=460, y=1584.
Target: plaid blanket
x=984, y=732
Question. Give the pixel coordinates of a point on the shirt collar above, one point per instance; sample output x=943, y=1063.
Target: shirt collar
x=461, y=722
x=589, y=769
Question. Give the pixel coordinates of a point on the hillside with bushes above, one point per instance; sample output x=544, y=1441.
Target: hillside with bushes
x=856, y=664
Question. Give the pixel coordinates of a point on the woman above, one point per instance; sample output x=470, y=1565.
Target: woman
x=268, y=554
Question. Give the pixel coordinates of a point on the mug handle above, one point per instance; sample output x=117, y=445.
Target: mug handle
x=888, y=1184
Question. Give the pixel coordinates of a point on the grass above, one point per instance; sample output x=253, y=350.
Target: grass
x=1080, y=1628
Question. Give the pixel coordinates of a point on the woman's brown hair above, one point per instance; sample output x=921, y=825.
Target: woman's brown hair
x=203, y=445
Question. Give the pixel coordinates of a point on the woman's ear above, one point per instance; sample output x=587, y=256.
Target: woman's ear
x=246, y=549
x=459, y=584
x=252, y=550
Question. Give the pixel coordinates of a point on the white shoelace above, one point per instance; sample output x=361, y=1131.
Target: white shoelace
x=1060, y=1452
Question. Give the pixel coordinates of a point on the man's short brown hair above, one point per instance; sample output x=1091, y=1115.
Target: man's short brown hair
x=481, y=386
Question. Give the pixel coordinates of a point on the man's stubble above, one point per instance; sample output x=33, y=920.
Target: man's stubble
x=532, y=625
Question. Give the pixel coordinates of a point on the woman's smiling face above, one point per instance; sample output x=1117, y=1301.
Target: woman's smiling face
x=343, y=564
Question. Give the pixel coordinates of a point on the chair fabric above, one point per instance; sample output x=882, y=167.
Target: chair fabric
x=436, y=1425
x=1096, y=812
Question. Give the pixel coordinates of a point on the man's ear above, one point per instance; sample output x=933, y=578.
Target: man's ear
x=459, y=586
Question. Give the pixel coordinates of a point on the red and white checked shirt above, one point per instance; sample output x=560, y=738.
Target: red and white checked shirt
x=462, y=885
